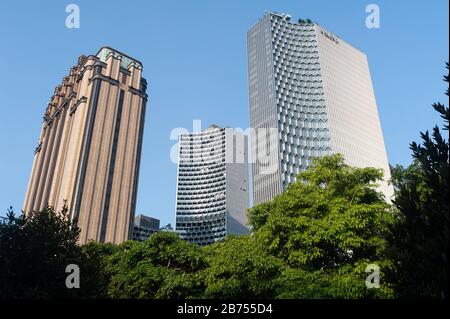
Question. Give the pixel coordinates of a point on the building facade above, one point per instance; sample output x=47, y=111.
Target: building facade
x=89, y=149
x=212, y=185
x=144, y=227
x=310, y=95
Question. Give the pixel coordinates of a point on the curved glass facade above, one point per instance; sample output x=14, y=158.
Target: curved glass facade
x=202, y=213
x=314, y=90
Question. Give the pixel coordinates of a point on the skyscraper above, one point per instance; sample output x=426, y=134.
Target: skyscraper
x=310, y=95
x=90, y=146
x=212, y=185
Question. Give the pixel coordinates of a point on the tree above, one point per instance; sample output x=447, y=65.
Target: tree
x=94, y=276
x=344, y=282
x=240, y=268
x=34, y=252
x=164, y=266
x=420, y=239
x=327, y=227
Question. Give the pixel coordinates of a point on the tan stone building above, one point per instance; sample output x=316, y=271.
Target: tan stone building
x=90, y=146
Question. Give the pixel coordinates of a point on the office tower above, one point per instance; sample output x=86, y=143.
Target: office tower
x=310, y=95
x=212, y=185
x=144, y=227
x=90, y=146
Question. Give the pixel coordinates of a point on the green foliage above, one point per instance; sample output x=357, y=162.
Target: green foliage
x=420, y=238
x=332, y=209
x=345, y=282
x=94, y=277
x=34, y=252
x=313, y=241
x=331, y=222
x=304, y=21
x=240, y=268
x=164, y=266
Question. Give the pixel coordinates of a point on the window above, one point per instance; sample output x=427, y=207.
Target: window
x=124, y=78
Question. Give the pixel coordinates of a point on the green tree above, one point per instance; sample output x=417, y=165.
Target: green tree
x=164, y=266
x=34, y=252
x=94, y=276
x=240, y=268
x=420, y=238
x=327, y=227
x=344, y=282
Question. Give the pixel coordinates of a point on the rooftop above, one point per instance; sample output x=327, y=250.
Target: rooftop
x=103, y=53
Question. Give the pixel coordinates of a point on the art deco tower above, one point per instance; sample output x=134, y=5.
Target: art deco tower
x=310, y=95
x=90, y=146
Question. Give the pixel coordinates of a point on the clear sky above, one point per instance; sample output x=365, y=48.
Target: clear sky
x=195, y=61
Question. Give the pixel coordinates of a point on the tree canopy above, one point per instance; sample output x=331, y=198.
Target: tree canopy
x=34, y=252
x=420, y=238
x=328, y=226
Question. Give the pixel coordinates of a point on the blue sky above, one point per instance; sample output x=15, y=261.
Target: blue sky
x=194, y=56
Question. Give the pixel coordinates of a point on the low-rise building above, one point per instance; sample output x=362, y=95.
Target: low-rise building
x=144, y=227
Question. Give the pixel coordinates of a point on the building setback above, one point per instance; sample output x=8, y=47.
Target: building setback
x=212, y=185
x=90, y=146
x=313, y=91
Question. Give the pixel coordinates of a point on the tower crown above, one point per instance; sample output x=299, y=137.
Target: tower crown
x=104, y=52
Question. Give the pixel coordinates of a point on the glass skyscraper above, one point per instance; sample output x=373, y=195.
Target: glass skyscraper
x=310, y=95
x=212, y=185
